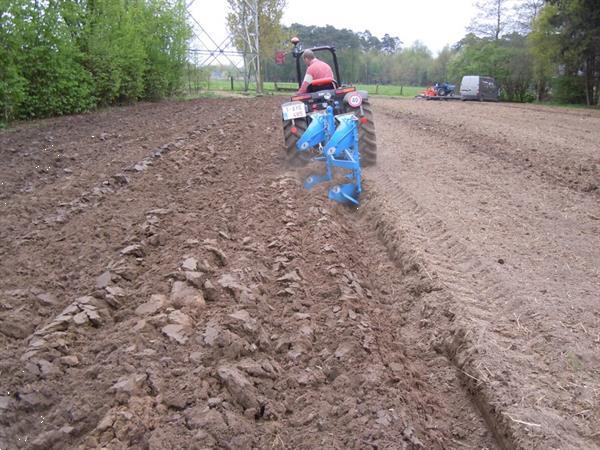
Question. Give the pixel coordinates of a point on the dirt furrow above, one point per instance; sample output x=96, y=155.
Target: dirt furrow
x=558, y=149
x=513, y=252
x=212, y=302
x=47, y=174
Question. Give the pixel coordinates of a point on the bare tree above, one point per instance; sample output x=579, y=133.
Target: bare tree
x=257, y=38
x=526, y=12
x=492, y=19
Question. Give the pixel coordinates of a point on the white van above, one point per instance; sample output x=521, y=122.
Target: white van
x=475, y=87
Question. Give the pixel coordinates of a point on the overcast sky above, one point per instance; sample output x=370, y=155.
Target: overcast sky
x=433, y=22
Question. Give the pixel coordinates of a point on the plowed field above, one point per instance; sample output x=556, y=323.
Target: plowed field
x=168, y=283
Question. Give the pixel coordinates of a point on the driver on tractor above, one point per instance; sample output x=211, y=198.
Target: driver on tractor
x=315, y=70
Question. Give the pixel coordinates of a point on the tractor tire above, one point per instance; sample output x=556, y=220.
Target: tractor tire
x=441, y=93
x=292, y=156
x=366, y=137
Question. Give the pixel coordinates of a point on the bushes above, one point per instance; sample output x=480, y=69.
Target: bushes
x=165, y=50
x=12, y=88
x=12, y=83
x=56, y=82
x=63, y=57
x=568, y=89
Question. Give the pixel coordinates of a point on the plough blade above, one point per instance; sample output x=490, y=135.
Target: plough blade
x=318, y=132
x=340, y=151
x=343, y=138
x=313, y=180
x=345, y=193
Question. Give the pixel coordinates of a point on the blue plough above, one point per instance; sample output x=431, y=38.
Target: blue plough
x=339, y=146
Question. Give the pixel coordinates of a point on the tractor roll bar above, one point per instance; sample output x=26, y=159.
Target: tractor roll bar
x=297, y=53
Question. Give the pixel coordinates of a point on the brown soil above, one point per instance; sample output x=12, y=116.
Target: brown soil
x=501, y=203
x=175, y=287
x=167, y=283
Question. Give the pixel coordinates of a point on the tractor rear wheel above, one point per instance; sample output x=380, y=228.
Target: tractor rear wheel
x=292, y=156
x=366, y=137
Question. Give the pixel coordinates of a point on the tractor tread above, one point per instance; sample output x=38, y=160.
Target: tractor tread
x=367, y=137
x=293, y=157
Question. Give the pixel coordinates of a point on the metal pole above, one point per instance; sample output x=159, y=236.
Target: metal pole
x=246, y=43
x=214, y=52
x=258, y=74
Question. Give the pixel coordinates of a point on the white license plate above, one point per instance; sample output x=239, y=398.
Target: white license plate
x=293, y=110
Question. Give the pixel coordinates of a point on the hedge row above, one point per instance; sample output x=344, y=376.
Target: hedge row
x=61, y=57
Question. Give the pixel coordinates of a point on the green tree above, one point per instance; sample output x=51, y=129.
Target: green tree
x=439, y=66
x=50, y=62
x=507, y=60
x=413, y=65
x=390, y=44
x=368, y=42
x=165, y=47
x=12, y=83
x=65, y=56
x=577, y=25
x=517, y=69
x=545, y=48
x=110, y=58
x=363, y=58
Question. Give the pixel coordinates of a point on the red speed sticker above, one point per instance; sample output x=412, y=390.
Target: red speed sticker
x=355, y=100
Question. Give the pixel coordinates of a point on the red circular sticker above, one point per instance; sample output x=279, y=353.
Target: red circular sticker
x=355, y=100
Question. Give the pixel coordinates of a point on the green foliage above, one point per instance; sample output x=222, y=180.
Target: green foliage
x=342, y=39
x=566, y=42
x=12, y=84
x=568, y=89
x=439, y=66
x=166, y=48
x=362, y=57
x=62, y=57
x=113, y=51
x=44, y=75
x=517, y=74
x=507, y=59
x=534, y=49
x=544, y=47
x=413, y=65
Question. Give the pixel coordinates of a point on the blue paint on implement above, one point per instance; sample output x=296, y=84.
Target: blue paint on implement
x=339, y=150
x=320, y=129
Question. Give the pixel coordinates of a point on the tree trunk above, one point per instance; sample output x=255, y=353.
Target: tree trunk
x=596, y=71
x=589, y=80
x=246, y=73
x=498, y=17
x=539, y=89
x=259, y=87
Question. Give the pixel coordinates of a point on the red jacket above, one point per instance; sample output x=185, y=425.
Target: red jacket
x=316, y=70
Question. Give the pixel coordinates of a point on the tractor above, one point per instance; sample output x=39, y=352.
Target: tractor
x=323, y=94
x=444, y=89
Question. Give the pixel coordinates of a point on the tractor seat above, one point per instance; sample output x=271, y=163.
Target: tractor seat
x=322, y=84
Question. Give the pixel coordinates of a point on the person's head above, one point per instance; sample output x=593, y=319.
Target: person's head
x=308, y=56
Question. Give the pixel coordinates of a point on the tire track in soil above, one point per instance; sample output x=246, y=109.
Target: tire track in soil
x=496, y=353
x=569, y=159
x=239, y=311
x=439, y=310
